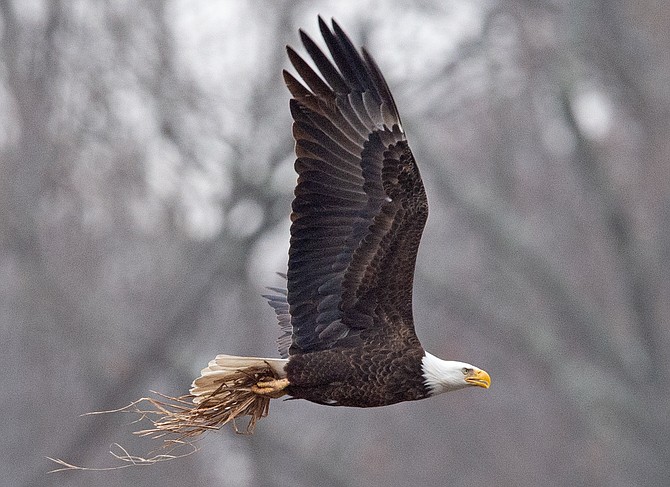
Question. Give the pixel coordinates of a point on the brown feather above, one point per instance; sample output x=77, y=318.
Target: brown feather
x=359, y=206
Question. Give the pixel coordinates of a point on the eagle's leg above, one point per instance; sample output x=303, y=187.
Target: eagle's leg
x=273, y=388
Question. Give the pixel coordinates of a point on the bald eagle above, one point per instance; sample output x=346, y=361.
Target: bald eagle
x=359, y=211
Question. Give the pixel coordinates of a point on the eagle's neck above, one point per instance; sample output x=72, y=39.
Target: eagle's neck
x=442, y=375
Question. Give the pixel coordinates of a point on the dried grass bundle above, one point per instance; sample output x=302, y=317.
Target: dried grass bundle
x=180, y=419
x=232, y=399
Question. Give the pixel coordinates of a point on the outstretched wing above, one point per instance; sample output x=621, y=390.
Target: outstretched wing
x=359, y=207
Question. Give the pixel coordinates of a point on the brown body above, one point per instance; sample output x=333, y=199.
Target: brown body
x=365, y=376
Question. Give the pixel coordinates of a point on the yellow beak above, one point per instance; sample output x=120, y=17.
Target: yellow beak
x=479, y=377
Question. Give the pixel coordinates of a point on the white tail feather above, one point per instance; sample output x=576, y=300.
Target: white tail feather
x=220, y=368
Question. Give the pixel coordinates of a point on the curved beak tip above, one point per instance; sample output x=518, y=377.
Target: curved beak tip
x=479, y=378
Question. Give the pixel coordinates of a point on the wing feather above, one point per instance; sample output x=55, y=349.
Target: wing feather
x=359, y=207
x=313, y=80
x=331, y=75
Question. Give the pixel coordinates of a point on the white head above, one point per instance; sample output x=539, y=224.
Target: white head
x=448, y=375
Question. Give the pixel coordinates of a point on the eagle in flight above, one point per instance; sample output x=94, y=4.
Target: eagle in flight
x=359, y=211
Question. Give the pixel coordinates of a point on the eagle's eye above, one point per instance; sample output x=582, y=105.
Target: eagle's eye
x=466, y=370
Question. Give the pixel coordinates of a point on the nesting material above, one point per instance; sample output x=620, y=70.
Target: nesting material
x=221, y=395
x=229, y=398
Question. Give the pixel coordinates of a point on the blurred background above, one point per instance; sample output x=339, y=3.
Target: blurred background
x=145, y=188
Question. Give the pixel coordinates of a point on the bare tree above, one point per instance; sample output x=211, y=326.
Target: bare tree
x=145, y=183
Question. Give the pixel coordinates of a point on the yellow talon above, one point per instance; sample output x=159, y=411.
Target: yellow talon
x=273, y=388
